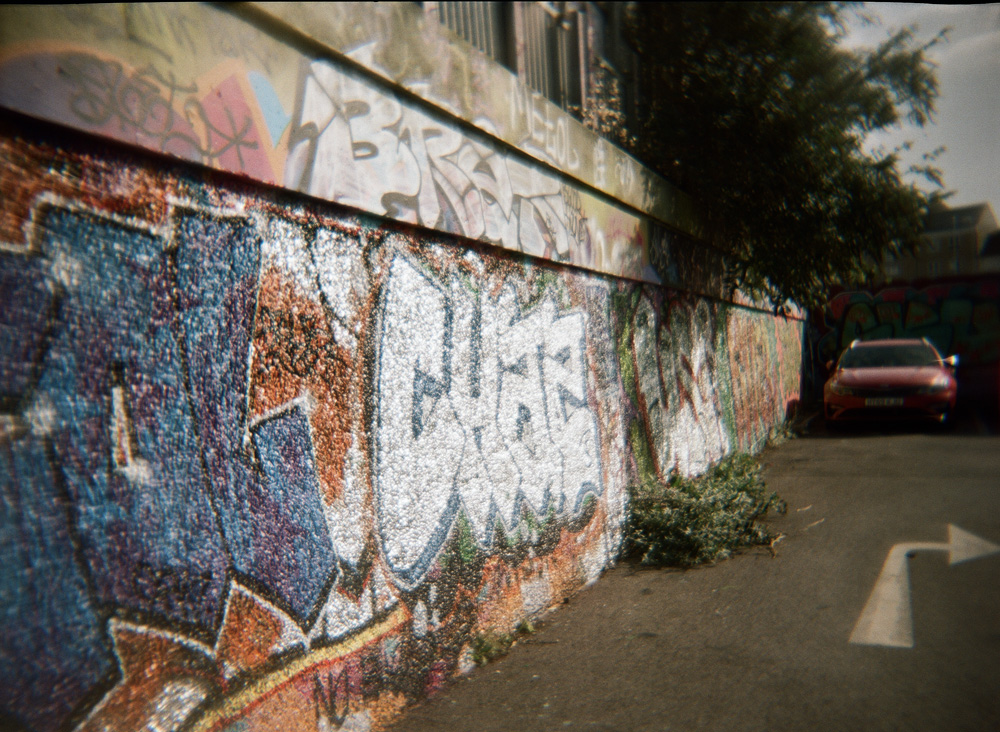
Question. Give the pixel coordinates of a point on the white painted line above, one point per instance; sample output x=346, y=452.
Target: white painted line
x=887, y=618
x=965, y=546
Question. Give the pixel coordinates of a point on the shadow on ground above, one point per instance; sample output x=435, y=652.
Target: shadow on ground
x=970, y=418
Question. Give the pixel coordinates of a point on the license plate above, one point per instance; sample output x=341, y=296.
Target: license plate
x=884, y=402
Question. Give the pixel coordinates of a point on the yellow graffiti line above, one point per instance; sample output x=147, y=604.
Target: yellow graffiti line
x=260, y=688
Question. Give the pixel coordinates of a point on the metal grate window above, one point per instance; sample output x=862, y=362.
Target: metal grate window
x=548, y=41
x=568, y=61
x=539, y=37
x=552, y=52
x=483, y=24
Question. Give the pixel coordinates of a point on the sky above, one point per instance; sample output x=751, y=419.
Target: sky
x=967, y=121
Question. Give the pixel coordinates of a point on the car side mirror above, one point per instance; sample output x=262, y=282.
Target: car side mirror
x=829, y=365
x=952, y=361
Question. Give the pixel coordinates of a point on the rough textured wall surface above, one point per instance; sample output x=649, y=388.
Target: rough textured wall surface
x=268, y=464
x=957, y=317
x=445, y=71
x=221, y=87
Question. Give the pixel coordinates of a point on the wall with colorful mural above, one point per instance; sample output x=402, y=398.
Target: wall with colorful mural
x=299, y=398
x=271, y=464
x=442, y=138
x=958, y=317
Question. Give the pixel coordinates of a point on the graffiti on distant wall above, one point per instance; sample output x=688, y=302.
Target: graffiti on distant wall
x=764, y=356
x=962, y=318
x=707, y=378
x=330, y=132
x=267, y=465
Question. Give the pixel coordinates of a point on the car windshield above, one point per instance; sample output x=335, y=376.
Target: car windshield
x=878, y=356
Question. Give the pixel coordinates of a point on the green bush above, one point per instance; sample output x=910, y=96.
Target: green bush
x=490, y=646
x=689, y=521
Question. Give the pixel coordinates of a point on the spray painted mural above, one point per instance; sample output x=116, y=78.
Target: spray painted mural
x=267, y=465
x=442, y=70
x=960, y=318
x=706, y=378
x=207, y=86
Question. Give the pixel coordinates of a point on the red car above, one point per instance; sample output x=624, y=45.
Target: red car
x=891, y=379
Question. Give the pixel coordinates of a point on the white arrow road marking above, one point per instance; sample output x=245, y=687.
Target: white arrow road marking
x=887, y=619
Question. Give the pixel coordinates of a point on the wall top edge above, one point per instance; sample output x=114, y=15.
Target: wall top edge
x=385, y=113
x=397, y=42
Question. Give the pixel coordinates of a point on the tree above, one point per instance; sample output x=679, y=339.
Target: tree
x=759, y=113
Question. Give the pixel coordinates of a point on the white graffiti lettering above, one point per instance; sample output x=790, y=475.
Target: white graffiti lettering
x=677, y=382
x=483, y=409
x=361, y=147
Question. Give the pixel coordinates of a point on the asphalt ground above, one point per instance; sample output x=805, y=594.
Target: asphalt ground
x=761, y=641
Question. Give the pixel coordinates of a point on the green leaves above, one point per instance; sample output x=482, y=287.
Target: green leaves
x=756, y=111
x=689, y=521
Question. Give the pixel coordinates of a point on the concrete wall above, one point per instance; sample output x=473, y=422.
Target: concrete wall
x=274, y=461
x=369, y=105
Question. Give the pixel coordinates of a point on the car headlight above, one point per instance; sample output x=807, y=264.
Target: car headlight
x=939, y=385
x=840, y=390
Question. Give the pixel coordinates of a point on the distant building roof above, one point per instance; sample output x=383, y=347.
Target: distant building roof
x=947, y=219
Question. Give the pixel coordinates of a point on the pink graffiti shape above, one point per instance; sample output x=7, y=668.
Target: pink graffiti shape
x=233, y=137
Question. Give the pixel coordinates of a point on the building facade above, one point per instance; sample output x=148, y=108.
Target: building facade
x=951, y=246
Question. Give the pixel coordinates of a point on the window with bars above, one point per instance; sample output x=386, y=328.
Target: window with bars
x=552, y=52
x=539, y=41
x=485, y=25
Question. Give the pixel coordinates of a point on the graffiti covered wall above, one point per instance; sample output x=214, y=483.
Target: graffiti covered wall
x=961, y=317
x=274, y=461
x=443, y=139
x=273, y=464
x=958, y=317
